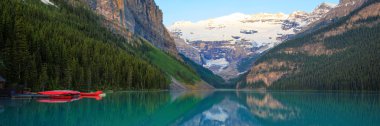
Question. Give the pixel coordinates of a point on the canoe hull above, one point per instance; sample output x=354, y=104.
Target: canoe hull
x=91, y=93
x=59, y=92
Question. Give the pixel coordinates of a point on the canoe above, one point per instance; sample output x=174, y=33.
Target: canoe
x=61, y=97
x=59, y=92
x=97, y=93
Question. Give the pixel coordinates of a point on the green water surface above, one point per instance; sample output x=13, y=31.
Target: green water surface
x=216, y=108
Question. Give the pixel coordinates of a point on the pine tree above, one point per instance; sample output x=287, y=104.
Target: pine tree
x=33, y=76
x=43, y=78
x=130, y=79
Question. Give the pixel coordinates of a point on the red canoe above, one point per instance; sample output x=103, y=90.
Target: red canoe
x=91, y=93
x=61, y=96
x=59, y=92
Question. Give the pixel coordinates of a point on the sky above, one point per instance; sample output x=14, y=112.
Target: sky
x=196, y=10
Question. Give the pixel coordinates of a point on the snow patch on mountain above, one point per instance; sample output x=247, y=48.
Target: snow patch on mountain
x=222, y=63
x=259, y=28
x=262, y=28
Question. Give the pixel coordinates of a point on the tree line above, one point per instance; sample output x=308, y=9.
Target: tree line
x=64, y=47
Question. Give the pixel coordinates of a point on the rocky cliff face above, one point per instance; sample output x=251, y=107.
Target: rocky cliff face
x=342, y=9
x=184, y=48
x=140, y=17
x=299, y=20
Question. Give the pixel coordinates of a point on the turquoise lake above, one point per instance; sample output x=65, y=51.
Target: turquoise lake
x=216, y=108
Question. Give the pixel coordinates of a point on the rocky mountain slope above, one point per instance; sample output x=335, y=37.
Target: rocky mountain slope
x=140, y=17
x=343, y=55
x=186, y=49
x=342, y=9
x=220, y=44
x=144, y=18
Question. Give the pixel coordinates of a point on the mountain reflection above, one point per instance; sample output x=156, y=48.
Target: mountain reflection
x=283, y=108
x=268, y=107
x=240, y=109
x=226, y=112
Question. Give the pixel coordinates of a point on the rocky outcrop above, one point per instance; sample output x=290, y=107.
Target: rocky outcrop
x=270, y=71
x=313, y=49
x=354, y=22
x=342, y=9
x=299, y=20
x=184, y=48
x=140, y=17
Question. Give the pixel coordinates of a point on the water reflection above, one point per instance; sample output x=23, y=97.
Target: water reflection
x=226, y=112
x=239, y=109
x=266, y=107
x=162, y=108
x=314, y=108
x=286, y=108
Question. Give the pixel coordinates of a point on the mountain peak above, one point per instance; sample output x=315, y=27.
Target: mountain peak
x=327, y=5
x=295, y=13
x=323, y=8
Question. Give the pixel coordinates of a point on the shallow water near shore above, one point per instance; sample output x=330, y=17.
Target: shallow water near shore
x=160, y=108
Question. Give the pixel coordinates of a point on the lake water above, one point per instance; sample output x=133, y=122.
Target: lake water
x=230, y=108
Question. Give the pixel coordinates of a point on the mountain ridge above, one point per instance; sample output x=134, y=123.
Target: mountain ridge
x=341, y=56
x=220, y=44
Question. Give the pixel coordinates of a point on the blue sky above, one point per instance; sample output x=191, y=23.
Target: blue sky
x=195, y=10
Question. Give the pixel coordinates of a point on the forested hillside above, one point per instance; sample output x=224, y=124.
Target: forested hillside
x=64, y=47
x=342, y=56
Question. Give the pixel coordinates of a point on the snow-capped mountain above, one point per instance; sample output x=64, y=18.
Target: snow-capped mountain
x=234, y=27
x=224, y=41
x=299, y=20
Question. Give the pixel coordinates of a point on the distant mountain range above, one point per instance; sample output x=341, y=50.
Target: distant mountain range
x=220, y=44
